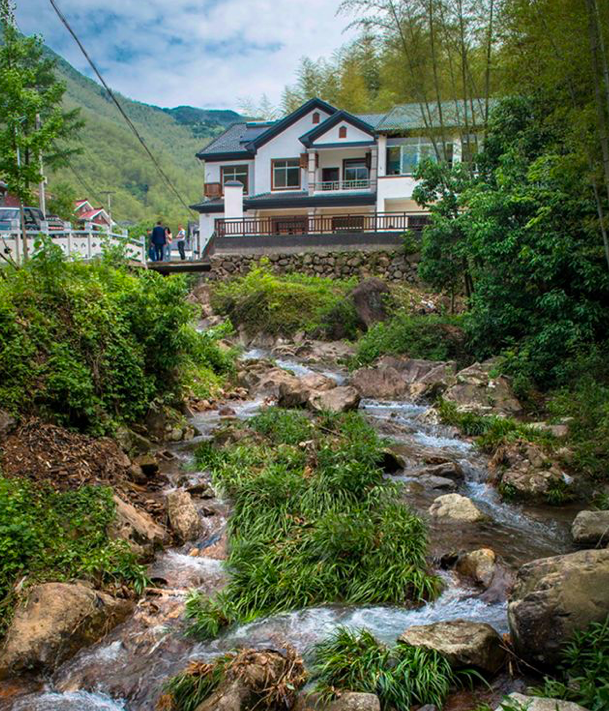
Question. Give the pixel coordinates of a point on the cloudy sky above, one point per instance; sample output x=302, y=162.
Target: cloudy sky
x=206, y=53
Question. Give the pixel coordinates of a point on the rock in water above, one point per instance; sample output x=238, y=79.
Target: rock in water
x=591, y=528
x=476, y=391
x=536, y=703
x=234, y=696
x=555, y=597
x=379, y=383
x=463, y=643
x=183, y=516
x=55, y=621
x=480, y=565
x=370, y=298
x=455, y=507
x=338, y=399
x=137, y=528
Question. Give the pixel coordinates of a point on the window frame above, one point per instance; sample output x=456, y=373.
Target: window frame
x=355, y=162
x=246, y=185
x=424, y=149
x=274, y=161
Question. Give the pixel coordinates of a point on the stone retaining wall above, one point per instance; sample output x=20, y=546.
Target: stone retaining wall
x=389, y=265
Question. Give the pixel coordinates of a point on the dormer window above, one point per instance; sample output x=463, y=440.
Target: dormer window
x=316, y=117
x=342, y=132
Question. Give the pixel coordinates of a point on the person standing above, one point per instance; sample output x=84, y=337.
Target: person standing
x=158, y=240
x=181, y=242
x=168, y=241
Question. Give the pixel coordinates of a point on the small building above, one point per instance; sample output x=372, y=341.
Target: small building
x=85, y=213
x=323, y=176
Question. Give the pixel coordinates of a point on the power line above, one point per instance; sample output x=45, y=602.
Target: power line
x=118, y=106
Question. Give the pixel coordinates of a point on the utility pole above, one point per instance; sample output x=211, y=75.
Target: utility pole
x=109, y=199
x=42, y=203
x=21, y=210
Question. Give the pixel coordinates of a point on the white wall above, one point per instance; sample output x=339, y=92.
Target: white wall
x=285, y=145
x=332, y=136
x=392, y=187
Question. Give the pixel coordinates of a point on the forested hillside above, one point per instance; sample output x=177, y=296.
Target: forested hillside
x=113, y=160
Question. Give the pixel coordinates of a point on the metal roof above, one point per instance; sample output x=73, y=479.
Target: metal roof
x=406, y=117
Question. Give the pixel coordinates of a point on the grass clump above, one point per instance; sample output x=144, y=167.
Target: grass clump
x=312, y=524
x=49, y=535
x=401, y=676
x=583, y=676
x=270, y=679
x=430, y=337
x=263, y=302
x=89, y=345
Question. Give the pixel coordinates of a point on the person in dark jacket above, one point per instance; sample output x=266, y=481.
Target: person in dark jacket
x=158, y=240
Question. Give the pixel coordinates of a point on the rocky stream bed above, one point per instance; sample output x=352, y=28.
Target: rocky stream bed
x=126, y=669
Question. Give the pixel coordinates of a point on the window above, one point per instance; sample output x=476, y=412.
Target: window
x=285, y=174
x=235, y=172
x=355, y=172
x=404, y=158
x=342, y=132
x=469, y=147
x=316, y=117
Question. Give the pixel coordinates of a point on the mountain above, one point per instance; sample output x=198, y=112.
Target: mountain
x=113, y=159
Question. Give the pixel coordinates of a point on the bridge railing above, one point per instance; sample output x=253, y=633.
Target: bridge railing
x=75, y=244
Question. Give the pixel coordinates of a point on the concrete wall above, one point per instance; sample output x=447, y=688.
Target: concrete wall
x=390, y=265
x=333, y=135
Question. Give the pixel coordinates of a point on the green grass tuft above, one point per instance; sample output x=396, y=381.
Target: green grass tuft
x=312, y=525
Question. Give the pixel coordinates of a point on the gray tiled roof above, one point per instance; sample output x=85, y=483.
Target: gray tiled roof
x=229, y=141
x=372, y=119
x=411, y=116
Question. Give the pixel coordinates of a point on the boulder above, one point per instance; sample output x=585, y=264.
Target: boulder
x=379, y=383
x=352, y=701
x=526, y=472
x=148, y=464
x=465, y=644
x=591, y=528
x=183, y=516
x=537, y=703
x=479, y=565
x=263, y=378
x=392, y=462
x=436, y=482
x=370, y=298
x=232, y=696
x=7, y=422
x=55, y=621
x=339, y=399
x=476, y=391
x=132, y=442
x=318, y=381
x=455, y=507
x=446, y=470
x=555, y=597
x=293, y=393
x=138, y=528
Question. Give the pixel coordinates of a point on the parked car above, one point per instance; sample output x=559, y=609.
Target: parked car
x=34, y=218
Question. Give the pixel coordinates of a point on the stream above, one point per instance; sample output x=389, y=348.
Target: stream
x=125, y=671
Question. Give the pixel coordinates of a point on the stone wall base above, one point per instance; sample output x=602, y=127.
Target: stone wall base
x=392, y=266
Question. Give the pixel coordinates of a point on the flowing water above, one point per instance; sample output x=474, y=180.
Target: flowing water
x=125, y=671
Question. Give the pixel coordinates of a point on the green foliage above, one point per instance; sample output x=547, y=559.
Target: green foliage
x=263, y=302
x=490, y=431
x=49, y=535
x=583, y=676
x=196, y=683
x=93, y=344
x=29, y=91
x=61, y=201
x=401, y=676
x=431, y=337
x=311, y=525
x=585, y=401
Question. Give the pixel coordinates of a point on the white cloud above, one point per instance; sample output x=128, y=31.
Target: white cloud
x=198, y=52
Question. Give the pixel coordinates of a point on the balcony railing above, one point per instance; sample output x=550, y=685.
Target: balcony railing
x=318, y=224
x=342, y=185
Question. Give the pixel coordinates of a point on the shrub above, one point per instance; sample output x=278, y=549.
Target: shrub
x=87, y=344
x=262, y=302
x=430, y=337
x=583, y=676
x=401, y=676
x=312, y=525
x=49, y=535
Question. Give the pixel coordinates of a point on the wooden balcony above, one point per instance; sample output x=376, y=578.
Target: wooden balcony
x=370, y=223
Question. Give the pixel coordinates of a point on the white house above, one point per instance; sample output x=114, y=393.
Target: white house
x=323, y=171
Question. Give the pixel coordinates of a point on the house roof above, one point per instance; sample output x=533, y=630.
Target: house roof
x=338, y=117
x=413, y=116
x=297, y=198
x=227, y=143
x=92, y=214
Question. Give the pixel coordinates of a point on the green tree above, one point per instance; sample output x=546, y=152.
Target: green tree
x=61, y=201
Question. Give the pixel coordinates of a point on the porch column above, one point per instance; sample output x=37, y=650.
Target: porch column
x=233, y=199
x=374, y=162
x=312, y=172
x=382, y=156
x=311, y=217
